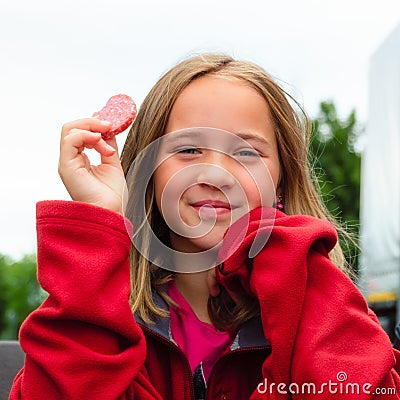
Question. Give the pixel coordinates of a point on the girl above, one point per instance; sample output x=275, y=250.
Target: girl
x=278, y=320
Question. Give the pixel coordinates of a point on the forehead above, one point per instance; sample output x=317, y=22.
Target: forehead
x=227, y=104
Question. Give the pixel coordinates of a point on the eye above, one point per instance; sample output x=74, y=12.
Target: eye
x=187, y=150
x=247, y=153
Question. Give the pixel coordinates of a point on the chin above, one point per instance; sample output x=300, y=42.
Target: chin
x=209, y=244
x=211, y=241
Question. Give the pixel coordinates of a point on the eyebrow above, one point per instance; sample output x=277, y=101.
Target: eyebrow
x=175, y=137
x=247, y=136
x=253, y=137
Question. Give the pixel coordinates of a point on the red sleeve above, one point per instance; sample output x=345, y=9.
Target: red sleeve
x=321, y=331
x=83, y=342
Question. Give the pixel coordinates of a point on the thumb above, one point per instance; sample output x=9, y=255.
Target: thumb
x=112, y=159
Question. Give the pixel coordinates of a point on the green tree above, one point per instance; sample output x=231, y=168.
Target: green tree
x=20, y=293
x=337, y=164
x=3, y=300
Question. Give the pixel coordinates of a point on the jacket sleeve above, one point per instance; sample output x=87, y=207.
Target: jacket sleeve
x=82, y=342
x=325, y=341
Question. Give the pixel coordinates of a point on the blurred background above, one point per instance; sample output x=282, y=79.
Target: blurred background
x=340, y=59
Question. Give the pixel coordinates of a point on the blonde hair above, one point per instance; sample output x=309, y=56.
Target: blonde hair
x=297, y=183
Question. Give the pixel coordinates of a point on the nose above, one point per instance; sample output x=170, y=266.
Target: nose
x=215, y=171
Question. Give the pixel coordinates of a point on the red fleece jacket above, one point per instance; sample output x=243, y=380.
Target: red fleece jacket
x=83, y=342
x=318, y=323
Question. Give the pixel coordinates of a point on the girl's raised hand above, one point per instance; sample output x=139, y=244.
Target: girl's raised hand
x=102, y=185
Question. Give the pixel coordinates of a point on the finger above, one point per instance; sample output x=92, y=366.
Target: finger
x=86, y=124
x=212, y=283
x=73, y=144
x=105, y=150
x=86, y=161
x=236, y=298
x=109, y=154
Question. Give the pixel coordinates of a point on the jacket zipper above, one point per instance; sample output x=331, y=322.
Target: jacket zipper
x=181, y=354
x=228, y=354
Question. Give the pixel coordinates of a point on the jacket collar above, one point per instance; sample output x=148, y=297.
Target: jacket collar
x=160, y=325
x=250, y=334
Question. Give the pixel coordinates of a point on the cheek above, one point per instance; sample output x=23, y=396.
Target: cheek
x=167, y=183
x=171, y=182
x=255, y=193
x=259, y=186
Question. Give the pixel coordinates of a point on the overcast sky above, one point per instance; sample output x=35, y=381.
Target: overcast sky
x=61, y=60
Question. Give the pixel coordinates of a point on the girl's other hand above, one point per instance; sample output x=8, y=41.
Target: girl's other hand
x=215, y=288
x=212, y=283
x=102, y=185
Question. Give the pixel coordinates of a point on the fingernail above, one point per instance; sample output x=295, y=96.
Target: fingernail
x=103, y=122
x=110, y=147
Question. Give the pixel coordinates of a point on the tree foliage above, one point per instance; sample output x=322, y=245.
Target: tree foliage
x=20, y=293
x=338, y=166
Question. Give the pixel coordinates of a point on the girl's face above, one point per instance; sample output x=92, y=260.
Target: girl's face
x=208, y=178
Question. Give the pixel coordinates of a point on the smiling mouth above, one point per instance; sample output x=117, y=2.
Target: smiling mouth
x=213, y=207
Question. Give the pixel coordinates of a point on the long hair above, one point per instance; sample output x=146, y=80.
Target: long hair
x=297, y=183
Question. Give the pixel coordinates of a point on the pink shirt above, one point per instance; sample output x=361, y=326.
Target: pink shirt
x=200, y=341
